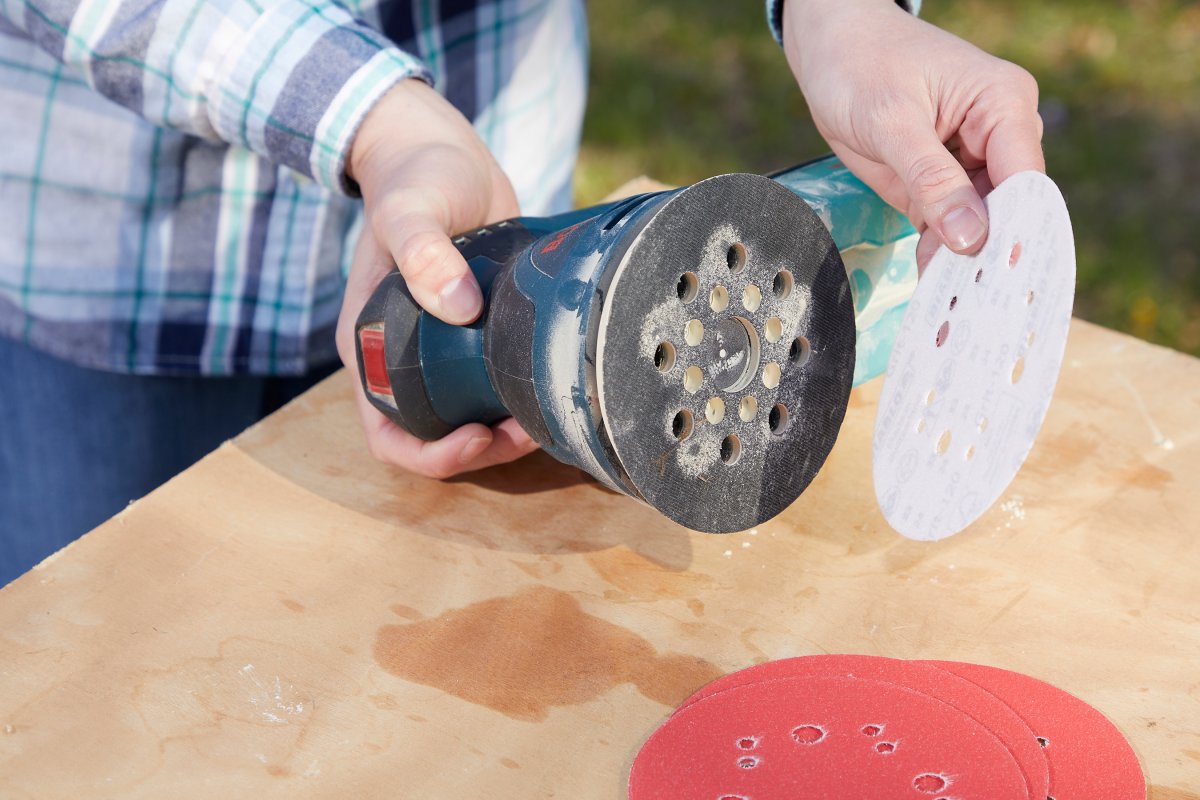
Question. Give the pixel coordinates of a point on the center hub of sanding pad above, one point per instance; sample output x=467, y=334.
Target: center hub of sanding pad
x=733, y=355
x=726, y=353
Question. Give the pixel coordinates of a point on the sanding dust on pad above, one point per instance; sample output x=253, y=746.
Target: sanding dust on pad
x=960, y=693
x=823, y=738
x=975, y=363
x=1088, y=756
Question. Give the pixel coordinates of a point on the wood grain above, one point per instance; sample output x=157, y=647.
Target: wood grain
x=288, y=618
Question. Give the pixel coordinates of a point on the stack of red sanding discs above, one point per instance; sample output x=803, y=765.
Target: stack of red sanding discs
x=848, y=727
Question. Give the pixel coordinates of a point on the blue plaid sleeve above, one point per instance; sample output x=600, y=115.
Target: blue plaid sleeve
x=289, y=79
x=775, y=14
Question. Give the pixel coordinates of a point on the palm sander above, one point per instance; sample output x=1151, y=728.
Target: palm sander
x=694, y=348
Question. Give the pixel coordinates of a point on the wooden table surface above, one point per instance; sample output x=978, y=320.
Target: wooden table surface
x=288, y=618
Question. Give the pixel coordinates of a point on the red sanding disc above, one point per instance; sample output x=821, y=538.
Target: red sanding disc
x=822, y=739
x=1088, y=756
x=962, y=694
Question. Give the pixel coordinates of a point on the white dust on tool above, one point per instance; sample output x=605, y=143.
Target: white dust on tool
x=666, y=323
x=567, y=371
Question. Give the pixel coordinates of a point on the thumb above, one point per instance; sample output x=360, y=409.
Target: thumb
x=436, y=273
x=939, y=190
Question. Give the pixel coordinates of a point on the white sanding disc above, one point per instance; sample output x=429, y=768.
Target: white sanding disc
x=975, y=363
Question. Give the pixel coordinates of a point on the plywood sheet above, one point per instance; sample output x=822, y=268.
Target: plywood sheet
x=290, y=619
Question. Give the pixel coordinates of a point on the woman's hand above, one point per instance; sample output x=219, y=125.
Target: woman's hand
x=424, y=175
x=925, y=119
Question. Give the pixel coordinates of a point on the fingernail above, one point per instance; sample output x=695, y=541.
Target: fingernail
x=962, y=228
x=473, y=448
x=460, y=301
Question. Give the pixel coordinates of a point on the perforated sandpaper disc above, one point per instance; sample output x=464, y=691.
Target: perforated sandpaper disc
x=960, y=693
x=726, y=353
x=975, y=363
x=820, y=738
x=1087, y=755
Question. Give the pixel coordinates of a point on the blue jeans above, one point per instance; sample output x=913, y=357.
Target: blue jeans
x=77, y=445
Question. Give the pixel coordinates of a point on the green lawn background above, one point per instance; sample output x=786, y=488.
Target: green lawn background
x=691, y=88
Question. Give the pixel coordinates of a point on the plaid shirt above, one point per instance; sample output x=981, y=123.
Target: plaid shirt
x=172, y=190
x=172, y=196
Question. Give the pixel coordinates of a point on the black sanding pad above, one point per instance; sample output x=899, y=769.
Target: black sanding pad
x=726, y=353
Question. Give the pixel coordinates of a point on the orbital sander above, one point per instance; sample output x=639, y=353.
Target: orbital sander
x=692, y=348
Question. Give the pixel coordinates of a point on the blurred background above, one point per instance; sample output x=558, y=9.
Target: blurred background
x=685, y=90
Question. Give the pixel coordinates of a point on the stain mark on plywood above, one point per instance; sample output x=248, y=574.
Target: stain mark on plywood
x=524, y=654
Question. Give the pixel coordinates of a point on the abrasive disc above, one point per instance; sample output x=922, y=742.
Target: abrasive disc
x=975, y=364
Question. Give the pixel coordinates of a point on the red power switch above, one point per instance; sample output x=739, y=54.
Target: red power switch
x=374, y=359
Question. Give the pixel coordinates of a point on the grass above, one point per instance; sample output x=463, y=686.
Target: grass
x=684, y=90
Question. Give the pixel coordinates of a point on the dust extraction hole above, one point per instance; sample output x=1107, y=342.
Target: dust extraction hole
x=718, y=298
x=731, y=449
x=771, y=374
x=664, y=356
x=714, y=410
x=692, y=378
x=799, y=352
x=693, y=332
x=681, y=425
x=773, y=329
x=778, y=419
x=783, y=283
x=1018, y=369
x=748, y=408
x=735, y=258
x=688, y=287
x=751, y=298
x=943, y=333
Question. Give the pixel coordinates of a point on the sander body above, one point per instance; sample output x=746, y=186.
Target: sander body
x=692, y=348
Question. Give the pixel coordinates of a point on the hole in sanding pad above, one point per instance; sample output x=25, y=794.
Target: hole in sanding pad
x=778, y=419
x=773, y=329
x=692, y=379
x=735, y=258
x=664, y=357
x=718, y=298
x=800, y=351
x=714, y=410
x=748, y=408
x=782, y=285
x=771, y=375
x=688, y=287
x=731, y=449
x=681, y=425
x=693, y=332
x=751, y=298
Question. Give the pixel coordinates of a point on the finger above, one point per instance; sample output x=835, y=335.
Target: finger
x=450, y=455
x=939, y=191
x=927, y=245
x=929, y=242
x=436, y=273
x=368, y=266
x=509, y=442
x=1015, y=145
